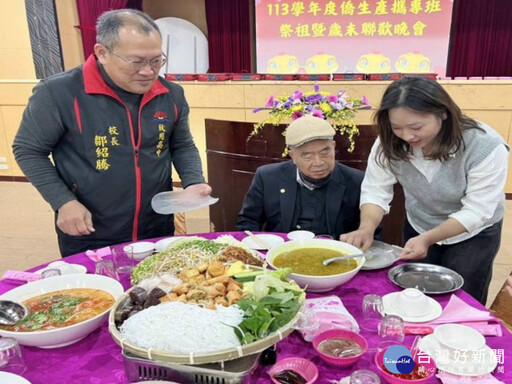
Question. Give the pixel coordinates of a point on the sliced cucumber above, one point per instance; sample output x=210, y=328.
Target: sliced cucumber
x=247, y=276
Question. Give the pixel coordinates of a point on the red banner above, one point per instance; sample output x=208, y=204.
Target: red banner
x=358, y=36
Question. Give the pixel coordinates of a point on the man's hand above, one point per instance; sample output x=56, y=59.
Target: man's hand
x=361, y=238
x=74, y=219
x=200, y=189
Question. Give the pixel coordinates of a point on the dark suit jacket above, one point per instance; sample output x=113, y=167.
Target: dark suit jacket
x=270, y=202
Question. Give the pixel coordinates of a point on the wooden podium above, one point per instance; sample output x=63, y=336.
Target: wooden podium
x=233, y=160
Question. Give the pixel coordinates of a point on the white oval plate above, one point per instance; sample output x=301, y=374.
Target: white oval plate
x=141, y=249
x=486, y=362
x=65, y=268
x=271, y=240
x=11, y=378
x=379, y=262
x=433, y=313
x=160, y=245
x=388, y=256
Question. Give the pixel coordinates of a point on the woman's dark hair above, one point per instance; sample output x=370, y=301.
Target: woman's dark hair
x=422, y=95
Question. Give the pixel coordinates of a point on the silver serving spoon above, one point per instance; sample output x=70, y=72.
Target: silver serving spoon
x=339, y=258
x=12, y=312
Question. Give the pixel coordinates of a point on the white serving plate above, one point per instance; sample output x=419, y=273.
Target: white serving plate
x=390, y=308
x=64, y=268
x=11, y=378
x=389, y=254
x=271, y=240
x=140, y=249
x=160, y=245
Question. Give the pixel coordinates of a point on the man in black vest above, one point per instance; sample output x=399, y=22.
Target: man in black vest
x=311, y=191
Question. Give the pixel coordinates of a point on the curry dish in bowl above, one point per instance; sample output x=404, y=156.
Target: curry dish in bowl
x=305, y=258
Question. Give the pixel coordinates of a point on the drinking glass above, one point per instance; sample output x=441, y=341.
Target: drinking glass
x=372, y=312
x=51, y=272
x=105, y=268
x=11, y=359
x=123, y=258
x=391, y=331
x=363, y=376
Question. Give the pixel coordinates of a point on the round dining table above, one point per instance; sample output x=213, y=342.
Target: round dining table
x=97, y=359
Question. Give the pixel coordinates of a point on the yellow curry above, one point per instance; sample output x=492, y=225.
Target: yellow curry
x=308, y=261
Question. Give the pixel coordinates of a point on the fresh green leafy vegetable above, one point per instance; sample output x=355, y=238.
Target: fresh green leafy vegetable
x=272, y=304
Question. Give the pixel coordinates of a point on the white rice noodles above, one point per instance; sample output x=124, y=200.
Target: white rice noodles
x=182, y=328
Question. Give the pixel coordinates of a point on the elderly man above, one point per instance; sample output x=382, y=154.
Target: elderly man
x=113, y=128
x=311, y=192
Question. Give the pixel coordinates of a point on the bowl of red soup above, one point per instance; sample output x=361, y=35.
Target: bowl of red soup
x=340, y=347
x=305, y=258
x=62, y=310
x=424, y=369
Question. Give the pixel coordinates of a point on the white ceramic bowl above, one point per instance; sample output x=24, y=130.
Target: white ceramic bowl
x=458, y=337
x=318, y=283
x=59, y=337
x=412, y=303
x=141, y=249
x=300, y=235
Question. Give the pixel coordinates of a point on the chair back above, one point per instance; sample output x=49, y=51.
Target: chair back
x=502, y=306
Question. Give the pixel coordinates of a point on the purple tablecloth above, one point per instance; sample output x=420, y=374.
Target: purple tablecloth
x=97, y=358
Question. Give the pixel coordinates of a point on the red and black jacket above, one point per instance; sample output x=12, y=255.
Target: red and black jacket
x=87, y=128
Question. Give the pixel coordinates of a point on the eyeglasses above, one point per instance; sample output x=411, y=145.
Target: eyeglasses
x=138, y=65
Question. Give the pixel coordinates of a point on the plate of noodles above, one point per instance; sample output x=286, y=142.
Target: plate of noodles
x=204, y=312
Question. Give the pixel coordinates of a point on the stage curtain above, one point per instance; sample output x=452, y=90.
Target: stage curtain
x=229, y=47
x=88, y=13
x=481, y=42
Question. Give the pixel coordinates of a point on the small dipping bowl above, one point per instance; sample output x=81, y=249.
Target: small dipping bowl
x=300, y=235
x=430, y=367
x=322, y=341
x=303, y=367
x=11, y=312
x=142, y=249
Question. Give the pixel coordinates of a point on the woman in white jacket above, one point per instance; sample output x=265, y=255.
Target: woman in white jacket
x=452, y=169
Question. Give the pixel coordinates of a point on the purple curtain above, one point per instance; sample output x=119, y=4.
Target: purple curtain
x=481, y=43
x=88, y=13
x=229, y=46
